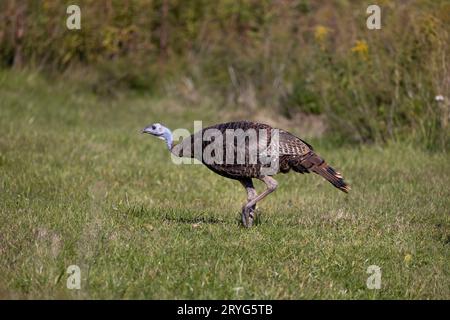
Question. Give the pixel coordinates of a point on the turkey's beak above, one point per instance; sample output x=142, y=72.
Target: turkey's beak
x=149, y=130
x=146, y=130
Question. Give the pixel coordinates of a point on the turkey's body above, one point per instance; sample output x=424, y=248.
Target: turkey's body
x=293, y=152
x=233, y=159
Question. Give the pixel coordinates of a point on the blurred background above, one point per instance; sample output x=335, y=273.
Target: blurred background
x=302, y=60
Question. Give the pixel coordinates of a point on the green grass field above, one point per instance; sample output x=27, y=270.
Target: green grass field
x=79, y=185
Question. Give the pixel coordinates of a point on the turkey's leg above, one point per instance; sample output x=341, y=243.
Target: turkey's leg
x=248, y=215
x=271, y=184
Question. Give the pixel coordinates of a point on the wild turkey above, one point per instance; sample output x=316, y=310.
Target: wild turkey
x=232, y=156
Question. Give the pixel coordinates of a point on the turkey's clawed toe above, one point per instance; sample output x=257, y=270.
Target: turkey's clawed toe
x=248, y=216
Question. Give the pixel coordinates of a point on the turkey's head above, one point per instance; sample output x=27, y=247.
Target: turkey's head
x=161, y=132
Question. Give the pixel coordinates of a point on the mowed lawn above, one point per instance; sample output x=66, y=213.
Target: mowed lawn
x=79, y=185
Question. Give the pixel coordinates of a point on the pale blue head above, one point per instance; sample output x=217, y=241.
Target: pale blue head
x=161, y=132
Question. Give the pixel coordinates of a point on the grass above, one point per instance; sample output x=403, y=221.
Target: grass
x=79, y=185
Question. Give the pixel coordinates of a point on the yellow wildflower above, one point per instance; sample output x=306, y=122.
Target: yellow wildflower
x=46, y=5
x=361, y=48
x=408, y=258
x=320, y=33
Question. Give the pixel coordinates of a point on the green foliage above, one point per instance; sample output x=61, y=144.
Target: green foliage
x=304, y=97
x=294, y=56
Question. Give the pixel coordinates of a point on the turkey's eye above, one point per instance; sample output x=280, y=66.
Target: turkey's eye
x=153, y=127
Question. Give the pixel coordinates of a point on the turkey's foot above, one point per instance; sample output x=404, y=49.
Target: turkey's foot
x=248, y=216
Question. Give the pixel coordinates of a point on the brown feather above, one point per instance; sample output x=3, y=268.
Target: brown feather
x=294, y=154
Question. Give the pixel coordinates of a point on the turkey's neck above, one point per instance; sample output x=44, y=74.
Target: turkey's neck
x=169, y=139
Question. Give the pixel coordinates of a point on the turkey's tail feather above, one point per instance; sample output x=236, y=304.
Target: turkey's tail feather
x=312, y=162
x=332, y=176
